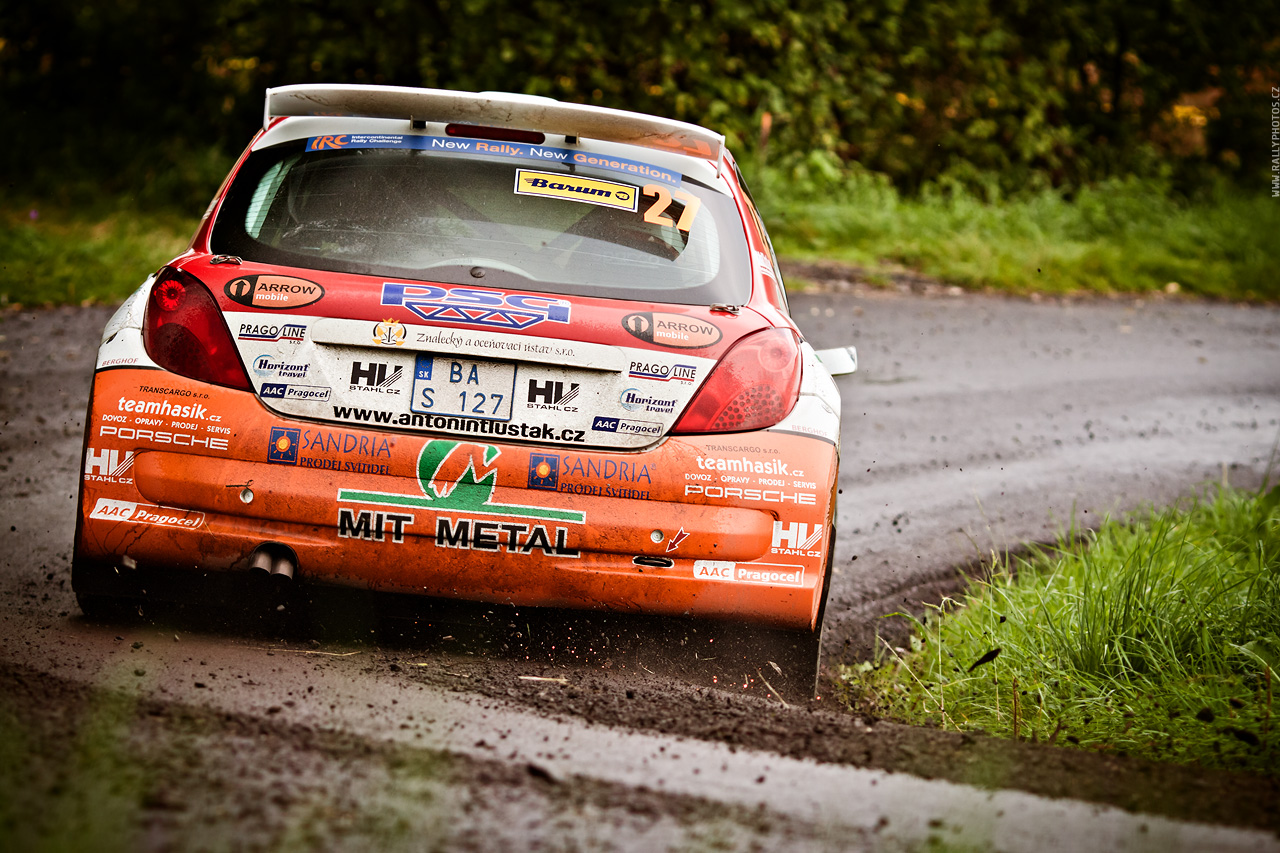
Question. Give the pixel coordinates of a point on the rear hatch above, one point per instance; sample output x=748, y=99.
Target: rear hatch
x=428, y=282
x=586, y=372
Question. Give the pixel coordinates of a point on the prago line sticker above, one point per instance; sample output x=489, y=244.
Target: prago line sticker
x=575, y=188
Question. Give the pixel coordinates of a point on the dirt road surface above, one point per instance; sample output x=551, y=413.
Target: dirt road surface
x=974, y=424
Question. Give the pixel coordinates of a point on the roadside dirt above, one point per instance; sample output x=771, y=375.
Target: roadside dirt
x=973, y=425
x=143, y=774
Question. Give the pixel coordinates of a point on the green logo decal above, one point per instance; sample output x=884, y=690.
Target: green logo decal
x=457, y=477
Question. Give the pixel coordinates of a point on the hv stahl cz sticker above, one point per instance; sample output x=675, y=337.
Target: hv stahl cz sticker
x=273, y=291
x=458, y=477
x=574, y=188
x=489, y=309
x=487, y=148
x=107, y=466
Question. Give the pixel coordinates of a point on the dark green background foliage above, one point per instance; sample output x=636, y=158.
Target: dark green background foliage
x=993, y=95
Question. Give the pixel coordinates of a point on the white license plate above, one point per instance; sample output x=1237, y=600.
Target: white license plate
x=455, y=386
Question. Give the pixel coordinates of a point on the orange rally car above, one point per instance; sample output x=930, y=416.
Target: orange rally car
x=483, y=346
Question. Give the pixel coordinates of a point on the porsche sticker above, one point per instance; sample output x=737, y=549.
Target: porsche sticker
x=671, y=330
x=458, y=477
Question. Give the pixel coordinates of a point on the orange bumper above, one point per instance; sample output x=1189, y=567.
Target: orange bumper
x=178, y=474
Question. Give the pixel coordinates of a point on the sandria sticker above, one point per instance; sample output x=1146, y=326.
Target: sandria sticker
x=273, y=291
x=672, y=330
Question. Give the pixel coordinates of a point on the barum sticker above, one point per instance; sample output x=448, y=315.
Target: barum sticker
x=574, y=188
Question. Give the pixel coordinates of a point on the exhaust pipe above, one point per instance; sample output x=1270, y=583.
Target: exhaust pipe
x=261, y=562
x=273, y=561
x=282, y=567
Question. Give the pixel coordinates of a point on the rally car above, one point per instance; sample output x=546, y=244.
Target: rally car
x=489, y=347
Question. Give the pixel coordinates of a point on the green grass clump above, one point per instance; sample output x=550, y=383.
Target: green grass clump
x=65, y=255
x=1159, y=637
x=1121, y=237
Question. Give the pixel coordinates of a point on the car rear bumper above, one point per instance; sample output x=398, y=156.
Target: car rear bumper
x=183, y=475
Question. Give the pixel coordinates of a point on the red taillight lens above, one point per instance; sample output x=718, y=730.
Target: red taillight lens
x=476, y=131
x=184, y=332
x=754, y=386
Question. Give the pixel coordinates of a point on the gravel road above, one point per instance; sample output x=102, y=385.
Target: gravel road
x=974, y=424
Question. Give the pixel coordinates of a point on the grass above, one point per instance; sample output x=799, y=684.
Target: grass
x=1124, y=237
x=1130, y=237
x=64, y=255
x=1157, y=637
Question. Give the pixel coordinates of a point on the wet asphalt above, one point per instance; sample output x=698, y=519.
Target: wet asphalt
x=974, y=424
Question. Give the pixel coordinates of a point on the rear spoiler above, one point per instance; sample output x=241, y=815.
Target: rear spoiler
x=495, y=109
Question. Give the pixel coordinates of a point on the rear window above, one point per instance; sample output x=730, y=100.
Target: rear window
x=456, y=217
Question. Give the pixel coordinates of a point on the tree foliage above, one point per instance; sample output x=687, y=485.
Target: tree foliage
x=991, y=95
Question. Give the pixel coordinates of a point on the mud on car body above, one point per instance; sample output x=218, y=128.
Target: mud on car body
x=489, y=347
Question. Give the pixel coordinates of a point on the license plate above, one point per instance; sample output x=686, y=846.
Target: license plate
x=456, y=386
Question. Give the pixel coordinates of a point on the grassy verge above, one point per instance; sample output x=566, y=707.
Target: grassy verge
x=1118, y=238
x=65, y=255
x=1159, y=637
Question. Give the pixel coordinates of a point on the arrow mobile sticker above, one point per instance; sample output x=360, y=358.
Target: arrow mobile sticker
x=515, y=150
x=273, y=291
x=671, y=330
x=574, y=188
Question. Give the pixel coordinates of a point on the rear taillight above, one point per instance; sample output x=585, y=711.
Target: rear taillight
x=184, y=332
x=506, y=134
x=754, y=386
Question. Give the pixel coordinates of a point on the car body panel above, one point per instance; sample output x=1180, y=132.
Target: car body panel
x=176, y=468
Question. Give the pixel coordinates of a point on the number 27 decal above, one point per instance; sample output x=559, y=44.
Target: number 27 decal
x=657, y=212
